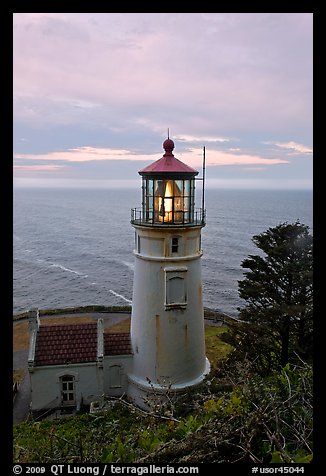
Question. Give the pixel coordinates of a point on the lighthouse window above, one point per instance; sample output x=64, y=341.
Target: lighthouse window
x=175, y=245
x=176, y=289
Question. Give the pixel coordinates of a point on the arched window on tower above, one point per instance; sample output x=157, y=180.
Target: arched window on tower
x=175, y=288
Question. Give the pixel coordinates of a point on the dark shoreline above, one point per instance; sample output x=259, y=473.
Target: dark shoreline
x=210, y=314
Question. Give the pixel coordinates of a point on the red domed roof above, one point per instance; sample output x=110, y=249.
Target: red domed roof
x=168, y=163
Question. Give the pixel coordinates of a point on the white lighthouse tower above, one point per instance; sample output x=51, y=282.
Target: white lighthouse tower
x=167, y=322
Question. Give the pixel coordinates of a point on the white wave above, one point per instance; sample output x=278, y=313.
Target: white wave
x=56, y=265
x=120, y=296
x=27, y=251
x=129, y=265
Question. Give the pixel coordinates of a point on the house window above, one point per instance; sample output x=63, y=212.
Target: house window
x=175, y=245
x=175, y=288
x=68, y=390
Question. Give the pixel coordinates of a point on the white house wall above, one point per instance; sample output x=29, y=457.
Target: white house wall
x=91, y=381
x=46, y=388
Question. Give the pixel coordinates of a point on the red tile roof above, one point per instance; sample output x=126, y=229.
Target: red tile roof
x=117, y=344
x=63, y=344
x=168, y=163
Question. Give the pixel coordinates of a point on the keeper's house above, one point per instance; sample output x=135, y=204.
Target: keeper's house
x=75, y=364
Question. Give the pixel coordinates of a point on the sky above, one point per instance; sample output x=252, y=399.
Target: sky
x=94, y=95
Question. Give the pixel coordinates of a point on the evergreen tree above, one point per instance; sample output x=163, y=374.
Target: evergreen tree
x=277, y=318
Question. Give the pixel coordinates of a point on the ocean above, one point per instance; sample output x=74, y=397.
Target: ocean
x=74, y=247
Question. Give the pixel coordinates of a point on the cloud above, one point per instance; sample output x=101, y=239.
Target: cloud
x=220, y=158
x=81, y=154
x=96, y=92
x=237, y=71
x=204, y=139
x=38, y=168
x=225, y=158
x=252, y=169
x=293, y=147
x=192, y=157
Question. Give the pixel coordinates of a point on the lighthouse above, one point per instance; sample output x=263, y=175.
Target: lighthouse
x=167, y=321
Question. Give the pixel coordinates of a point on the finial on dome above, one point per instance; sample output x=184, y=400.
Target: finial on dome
x=168, y=146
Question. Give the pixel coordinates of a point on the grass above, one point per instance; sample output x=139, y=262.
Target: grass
x=123, y=326
x=19, y=375
x=20, y=336
x=216, y=349
x=68, y=320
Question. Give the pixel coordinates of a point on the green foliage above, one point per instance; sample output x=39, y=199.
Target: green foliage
x=256, y=419
x=148, y=441
x=187, y=426
x=277, y=320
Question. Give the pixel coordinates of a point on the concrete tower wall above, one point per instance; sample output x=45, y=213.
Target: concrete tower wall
x=167, y=324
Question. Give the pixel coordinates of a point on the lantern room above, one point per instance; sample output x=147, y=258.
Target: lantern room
x=168, y=193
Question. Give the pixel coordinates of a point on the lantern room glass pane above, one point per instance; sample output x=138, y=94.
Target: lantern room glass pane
x=192, y=201
x=178, y=201
x=150, y=187
x=168, y=200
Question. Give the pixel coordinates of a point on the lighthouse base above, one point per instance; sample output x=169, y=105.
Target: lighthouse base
x=150, y=396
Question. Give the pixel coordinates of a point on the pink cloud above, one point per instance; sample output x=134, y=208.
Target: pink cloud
x=192, y=156
x=81, y=154
x=252, y=169
x=130, y=65
x=203, y=139
x=37, y=168
x=220, y=158
x=294, y=147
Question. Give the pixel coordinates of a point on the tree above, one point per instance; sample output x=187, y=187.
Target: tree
x=277, y=319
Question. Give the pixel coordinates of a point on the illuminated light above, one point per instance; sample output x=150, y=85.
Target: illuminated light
x=165, y=203
x=168, y=194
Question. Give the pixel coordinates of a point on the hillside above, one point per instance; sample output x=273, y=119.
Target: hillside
x=234, y=417
x=252, y=420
